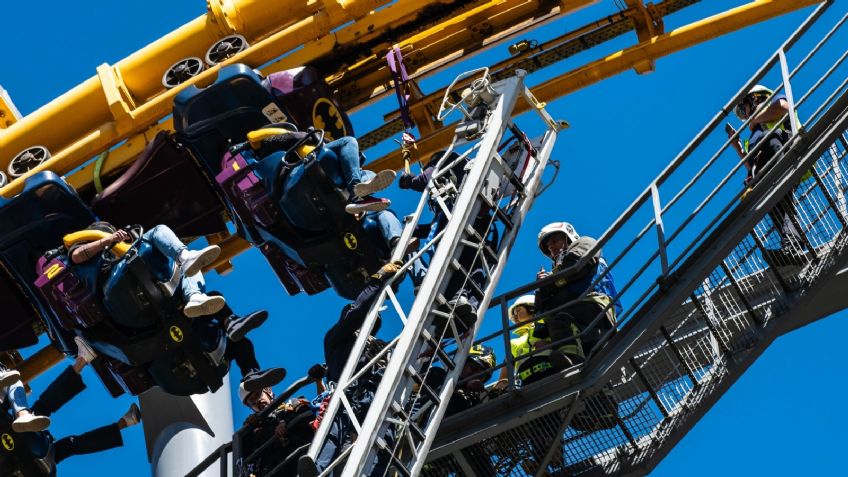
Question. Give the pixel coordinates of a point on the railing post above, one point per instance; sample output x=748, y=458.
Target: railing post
x=787, y=87
x=655, y=195
x=509, y=359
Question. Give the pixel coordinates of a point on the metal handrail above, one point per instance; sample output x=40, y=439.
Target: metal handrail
x=646, y=196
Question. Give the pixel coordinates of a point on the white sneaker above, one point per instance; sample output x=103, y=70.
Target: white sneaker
x=201, y=304
x=379, y=182
x=84, y=350
x=30, y=423
x=192, y=261
x=8, y=378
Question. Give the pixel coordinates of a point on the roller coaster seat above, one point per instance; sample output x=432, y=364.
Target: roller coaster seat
x=304, y=93
x=305, y=257
x=133, y=318
x=164, y=186
x=30, y=223
x=297, y=210
x=26, y=454
x=210, y=120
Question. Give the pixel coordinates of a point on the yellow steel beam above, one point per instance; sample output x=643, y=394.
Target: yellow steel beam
x=81, y=123
x=621, y=61
x=647, y=27
x=504, y=13
x=431, y=102
x=465, y=33
x=9, y=114
x=39, y=362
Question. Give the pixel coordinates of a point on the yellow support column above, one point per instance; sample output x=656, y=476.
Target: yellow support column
x=9, y=114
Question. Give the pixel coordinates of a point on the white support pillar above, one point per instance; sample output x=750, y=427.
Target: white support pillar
x=180, y=431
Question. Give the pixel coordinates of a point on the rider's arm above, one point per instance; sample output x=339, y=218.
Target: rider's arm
x=86, y=252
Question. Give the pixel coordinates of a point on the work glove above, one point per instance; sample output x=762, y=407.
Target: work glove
x=387, y=271
x=318, y=372
x=405, y=180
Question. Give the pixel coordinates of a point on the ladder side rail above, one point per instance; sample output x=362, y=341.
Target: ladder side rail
x=350, y=369
x=508, y=241
x=409, y=346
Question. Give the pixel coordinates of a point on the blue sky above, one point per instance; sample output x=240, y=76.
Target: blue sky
x=774, y=421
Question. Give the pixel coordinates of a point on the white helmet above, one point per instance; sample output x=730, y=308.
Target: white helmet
x=757, y=89
x=242, y=393
x=552, y=228
x=528, y=301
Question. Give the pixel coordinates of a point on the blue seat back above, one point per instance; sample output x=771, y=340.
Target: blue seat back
x=31, y=223
x=125, y=294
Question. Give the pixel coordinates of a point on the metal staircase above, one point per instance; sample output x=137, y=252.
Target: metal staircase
x=705, y=304
x=485, y=214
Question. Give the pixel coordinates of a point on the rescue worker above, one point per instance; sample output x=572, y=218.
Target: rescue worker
x=471, y=387
x=470, y=391
x=768, y=135
x=586, y=321
x=463, y=297
x=531, y=335
x=37, y=453
x=283, y=434
x=338, y=344
x=591, y=285
x=165, y=241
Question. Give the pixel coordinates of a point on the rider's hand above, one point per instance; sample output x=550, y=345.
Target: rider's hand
x=280, y=430
x=119, y=236
x=502, y=384
x=542, y=274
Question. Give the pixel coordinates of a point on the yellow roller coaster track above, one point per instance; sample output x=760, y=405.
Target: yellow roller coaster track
x=124, y=105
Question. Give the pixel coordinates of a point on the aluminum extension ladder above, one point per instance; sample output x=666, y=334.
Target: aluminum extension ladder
x=501, y=187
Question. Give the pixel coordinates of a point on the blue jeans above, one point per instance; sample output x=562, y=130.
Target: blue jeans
x=340, y=161
x=192, y=285
x=164, y=239
x=382, y=227
x=16, y=395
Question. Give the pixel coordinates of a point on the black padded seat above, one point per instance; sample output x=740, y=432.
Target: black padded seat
x=31, y=223
x=165, y=185
x=211, y=119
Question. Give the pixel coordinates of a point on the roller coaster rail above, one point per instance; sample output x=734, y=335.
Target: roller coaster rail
x=702, y=308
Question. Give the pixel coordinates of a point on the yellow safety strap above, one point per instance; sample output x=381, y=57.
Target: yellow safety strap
x=119, y=249
x=256, y=137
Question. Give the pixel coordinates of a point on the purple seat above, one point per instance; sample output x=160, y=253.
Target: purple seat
x=163, y=186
